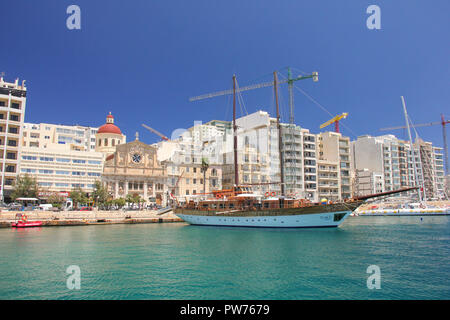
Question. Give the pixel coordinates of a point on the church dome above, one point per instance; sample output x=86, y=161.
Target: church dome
x=109, y=126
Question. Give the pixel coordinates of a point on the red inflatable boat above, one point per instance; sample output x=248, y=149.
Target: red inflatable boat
x=22, y=222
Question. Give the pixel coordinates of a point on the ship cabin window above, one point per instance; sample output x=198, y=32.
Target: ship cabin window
x=221, y=206
x=205, y=205
x=214, y=205
x=266, y=205
x=231, y=206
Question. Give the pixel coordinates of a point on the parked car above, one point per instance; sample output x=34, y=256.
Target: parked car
x=86, y=209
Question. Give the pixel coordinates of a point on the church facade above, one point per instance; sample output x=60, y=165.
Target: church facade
x=134, y=169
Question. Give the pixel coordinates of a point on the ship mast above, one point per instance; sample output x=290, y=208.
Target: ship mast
x=236, y=172
x=412, y=148
x=280, y=146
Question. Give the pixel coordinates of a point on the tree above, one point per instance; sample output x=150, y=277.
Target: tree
x=78, y=196
x=25, y=186
x=100, y=194
x=205, y=166
x=120, y=202
x=56, y=199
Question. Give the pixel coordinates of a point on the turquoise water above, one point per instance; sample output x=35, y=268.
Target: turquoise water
x=178, y=261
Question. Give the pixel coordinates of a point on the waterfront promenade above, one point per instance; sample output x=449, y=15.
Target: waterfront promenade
x=77, y=218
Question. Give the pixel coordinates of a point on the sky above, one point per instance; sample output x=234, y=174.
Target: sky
x=142, y=60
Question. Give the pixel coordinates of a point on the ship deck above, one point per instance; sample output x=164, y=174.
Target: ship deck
x=262, y=212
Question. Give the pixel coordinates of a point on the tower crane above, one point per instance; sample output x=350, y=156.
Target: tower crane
x=156, y=132
x=313, y=75
x=443, y=122
x=335, y=120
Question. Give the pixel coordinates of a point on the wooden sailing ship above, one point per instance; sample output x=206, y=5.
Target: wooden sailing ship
x=240, y=207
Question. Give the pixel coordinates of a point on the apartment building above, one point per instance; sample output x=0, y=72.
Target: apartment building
x=368, y=182
x=12, y=114
x=335, y=148
x=400, y=165
x=300, y=161
x=329, y=186
x=44, y=135
x=58, y=168
x=186, y=181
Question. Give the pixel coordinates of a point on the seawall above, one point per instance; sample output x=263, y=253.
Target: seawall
x=79, y=218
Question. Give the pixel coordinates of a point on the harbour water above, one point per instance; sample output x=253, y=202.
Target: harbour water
x=179, y=261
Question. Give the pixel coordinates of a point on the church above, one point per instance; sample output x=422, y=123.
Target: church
x=131, y=168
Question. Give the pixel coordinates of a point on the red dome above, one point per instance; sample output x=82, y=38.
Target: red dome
x=109, y=128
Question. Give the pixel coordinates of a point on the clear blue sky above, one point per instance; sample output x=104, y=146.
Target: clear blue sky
x=143, y=59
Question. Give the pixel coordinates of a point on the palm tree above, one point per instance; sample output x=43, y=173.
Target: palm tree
x=205, y=166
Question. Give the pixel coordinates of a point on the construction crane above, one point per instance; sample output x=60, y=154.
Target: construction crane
x=335, y=120
x=443, y=122
x=156, y=132
x=314, y=76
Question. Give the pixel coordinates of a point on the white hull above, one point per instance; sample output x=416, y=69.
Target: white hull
x=313, y=220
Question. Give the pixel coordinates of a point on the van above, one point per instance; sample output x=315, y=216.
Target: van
x=45, y=206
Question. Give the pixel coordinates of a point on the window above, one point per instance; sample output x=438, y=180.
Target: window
x=99, y=142
x=44, y=171
x=59, y=184
x=13, y=117
x=93, y=174
x=28, y=158
x=78, y=161
x=15, y=105
x=24, y=170
x=62, y=172
x=13, y=130
x=62, y=160
x=12, y=143
x=10, y=169
x=77, y=185
x=106, y=142
x=46, y=159
x=45, y=184
x=11, y=156
x=78, y=173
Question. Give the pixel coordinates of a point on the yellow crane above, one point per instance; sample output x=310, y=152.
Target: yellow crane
x=335, y=120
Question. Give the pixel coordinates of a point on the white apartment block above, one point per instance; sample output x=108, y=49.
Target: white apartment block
x=60, y=157
x=399, y=166
x=300, y=161
x=59, y=170
x=335, y=148
x=43, y=135
x=12, y=114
